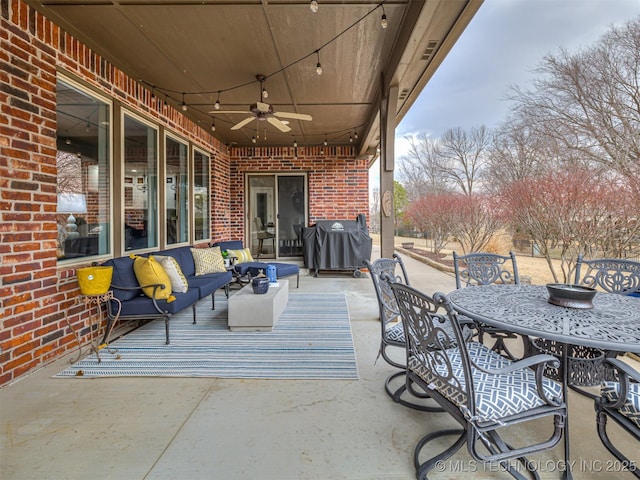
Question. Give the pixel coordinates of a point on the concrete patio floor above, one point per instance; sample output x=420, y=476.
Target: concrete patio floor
x=209, y=428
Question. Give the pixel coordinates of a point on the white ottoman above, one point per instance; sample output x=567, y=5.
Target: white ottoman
x=254, y=312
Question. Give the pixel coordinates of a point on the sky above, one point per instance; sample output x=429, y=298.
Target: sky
x=504, y=42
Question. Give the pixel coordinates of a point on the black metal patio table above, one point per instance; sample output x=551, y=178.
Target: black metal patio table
x=612, y=324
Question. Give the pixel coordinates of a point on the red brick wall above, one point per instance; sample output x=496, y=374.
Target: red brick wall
x=37, y=298
x=338, y=182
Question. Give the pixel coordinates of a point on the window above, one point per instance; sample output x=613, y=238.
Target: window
x=83, y=181
x=201, y=195
x=177, y=191
x=140, y=184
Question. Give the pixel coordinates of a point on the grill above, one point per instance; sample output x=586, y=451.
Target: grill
x=337, y=245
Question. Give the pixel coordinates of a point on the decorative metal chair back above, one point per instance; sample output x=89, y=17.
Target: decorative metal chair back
x=612, y=275
x=382, y=270
x=479, y=388
x=485, y=269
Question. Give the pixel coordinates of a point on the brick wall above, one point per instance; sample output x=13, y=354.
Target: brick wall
x=338, y=182
x=37, y=298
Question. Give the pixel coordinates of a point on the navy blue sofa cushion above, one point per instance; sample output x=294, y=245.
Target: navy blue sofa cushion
x=143, y=305
x=229, y=245
x=209, y=283
x=124, y=276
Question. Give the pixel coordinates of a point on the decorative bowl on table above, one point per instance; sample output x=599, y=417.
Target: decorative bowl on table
x=260, y=285
x=571, y=296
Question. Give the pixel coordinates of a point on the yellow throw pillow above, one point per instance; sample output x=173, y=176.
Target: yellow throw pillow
x=243, y=256
x=172, y=267
x=208, y=260
x=150, y=272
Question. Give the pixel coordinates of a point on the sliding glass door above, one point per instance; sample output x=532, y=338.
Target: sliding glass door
x=276, y=213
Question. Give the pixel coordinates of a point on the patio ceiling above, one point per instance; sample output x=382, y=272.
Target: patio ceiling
x=214, y=49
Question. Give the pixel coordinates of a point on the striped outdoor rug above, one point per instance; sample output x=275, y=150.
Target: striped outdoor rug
x=312, y=340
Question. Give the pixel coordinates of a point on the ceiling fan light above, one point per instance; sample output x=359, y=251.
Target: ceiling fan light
x=265, y=94
x=313, y=6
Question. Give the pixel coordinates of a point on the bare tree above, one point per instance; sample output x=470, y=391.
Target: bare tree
x=69, y=172
x=572, y=212
x=471, y=219
x=589, y=102
x=516, y=153
x=420, y=169
x=461, y=156
x=474, y=221
x=430, y=214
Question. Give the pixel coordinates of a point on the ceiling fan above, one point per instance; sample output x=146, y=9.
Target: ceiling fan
x=263, y=111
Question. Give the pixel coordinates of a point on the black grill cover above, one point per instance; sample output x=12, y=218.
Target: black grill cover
x=337, y=244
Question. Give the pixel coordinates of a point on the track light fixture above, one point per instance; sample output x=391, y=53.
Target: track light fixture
x=184, y=105
x=318, y=66
x=383, y=20
x=313, y=6
x=217, y=104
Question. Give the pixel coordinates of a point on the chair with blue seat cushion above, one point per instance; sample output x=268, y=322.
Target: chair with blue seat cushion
x=611, y=275
x=620, y=401
x=246, y=270
x=382, y=272
x=485, y=392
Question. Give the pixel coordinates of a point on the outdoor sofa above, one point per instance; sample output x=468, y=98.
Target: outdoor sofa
x=136, y=305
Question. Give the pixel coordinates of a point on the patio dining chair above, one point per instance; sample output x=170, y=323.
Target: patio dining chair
x=611, y=275
x=620, y=401
x=486, y=393
x=382, y=271
x=485, y=269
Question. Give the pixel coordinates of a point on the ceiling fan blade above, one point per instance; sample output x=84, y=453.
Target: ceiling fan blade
x=294, y=116
x=216, y=112
x=278, y=124
x=241, y=124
